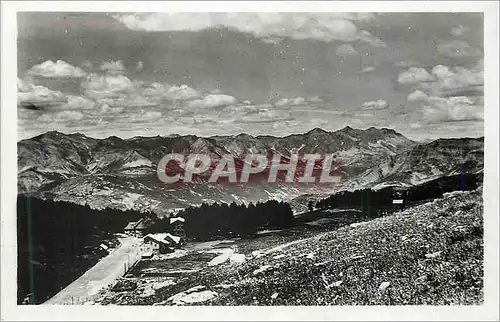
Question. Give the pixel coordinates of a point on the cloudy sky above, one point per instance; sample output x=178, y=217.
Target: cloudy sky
x=150, y=74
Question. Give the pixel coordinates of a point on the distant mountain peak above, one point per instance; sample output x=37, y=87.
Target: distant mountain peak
x=347, y=129
x=316, y=130
x=52, y=134
x=120, y=172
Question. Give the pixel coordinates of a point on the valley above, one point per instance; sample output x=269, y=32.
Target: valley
x=121, y=173
x=95, y=187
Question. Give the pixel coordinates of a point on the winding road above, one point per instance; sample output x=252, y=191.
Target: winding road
x=102, y=274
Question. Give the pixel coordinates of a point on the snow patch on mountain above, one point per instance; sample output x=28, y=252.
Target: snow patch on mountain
x=138, y=163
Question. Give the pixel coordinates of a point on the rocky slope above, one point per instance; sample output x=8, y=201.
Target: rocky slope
x=430, y=254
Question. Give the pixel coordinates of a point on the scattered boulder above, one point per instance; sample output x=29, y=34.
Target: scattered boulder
x=433, y=255
x=383, y=286
x=262, y=269
x=237, y=258
x=221, y=258
x=195, y=294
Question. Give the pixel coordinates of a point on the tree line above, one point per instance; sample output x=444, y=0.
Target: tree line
x=57, y=242
x=221, y=220
x=374, y=203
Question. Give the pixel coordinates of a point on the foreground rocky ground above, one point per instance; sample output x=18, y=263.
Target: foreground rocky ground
x=429, y=254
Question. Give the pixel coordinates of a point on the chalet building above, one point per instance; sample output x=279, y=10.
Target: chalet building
x=130, y=228
x=137, y=228
x=163, y=243
x=177, y=227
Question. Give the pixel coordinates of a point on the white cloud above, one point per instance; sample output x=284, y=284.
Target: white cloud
x=113, y=67
x=295, y=101
x=105, y=108
x=78, y=103
x=346, y=50
x=459, y=30
x=450, y=81
x=265, y=25
x=139, y=66
x=182, y=92
x=355, y=16
x=119, y=91
x=375, y=105
x=290, y=101
x=40, y=97
x=213, y=101
x=458, y=108
x=87, y=64
x=368, y=69
x=315, y=99
x=266, y=116
x=97, y=86
x=417, y=95
x=442, y=99
x=414, y=75
x=132, y=100
x=58, y=69
x=154, y=89
x=24, y=86
x=36, y=96
x=62, y=116
x=272, y=40
x=457, y=49
x=370, y=39
x=153, y=114
x=405, y=64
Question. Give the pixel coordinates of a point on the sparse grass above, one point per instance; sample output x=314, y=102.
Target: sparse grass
x=430, y=254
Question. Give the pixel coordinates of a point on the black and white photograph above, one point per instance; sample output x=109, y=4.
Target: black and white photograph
x=251, y=159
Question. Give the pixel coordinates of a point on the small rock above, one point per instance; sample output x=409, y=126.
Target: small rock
x=384, y=285
x=237, y=258
x=337, y=283
x=221, y=258
x=262, y=269
x=433, y=255
x=275, y=295
x=357, y=224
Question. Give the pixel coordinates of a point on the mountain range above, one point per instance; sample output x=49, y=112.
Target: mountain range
x=121, y=173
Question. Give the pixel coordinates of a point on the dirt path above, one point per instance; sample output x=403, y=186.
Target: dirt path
x=105, y=272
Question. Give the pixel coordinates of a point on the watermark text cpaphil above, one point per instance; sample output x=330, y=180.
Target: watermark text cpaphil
x=294, y=168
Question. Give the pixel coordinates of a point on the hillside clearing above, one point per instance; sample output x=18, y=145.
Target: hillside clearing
x=430, y=254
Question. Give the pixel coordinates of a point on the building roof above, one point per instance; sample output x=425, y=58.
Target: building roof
x=131, y=225
x=143, y=224
x=174, y=219
x=163, y=238
x=175, y=239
